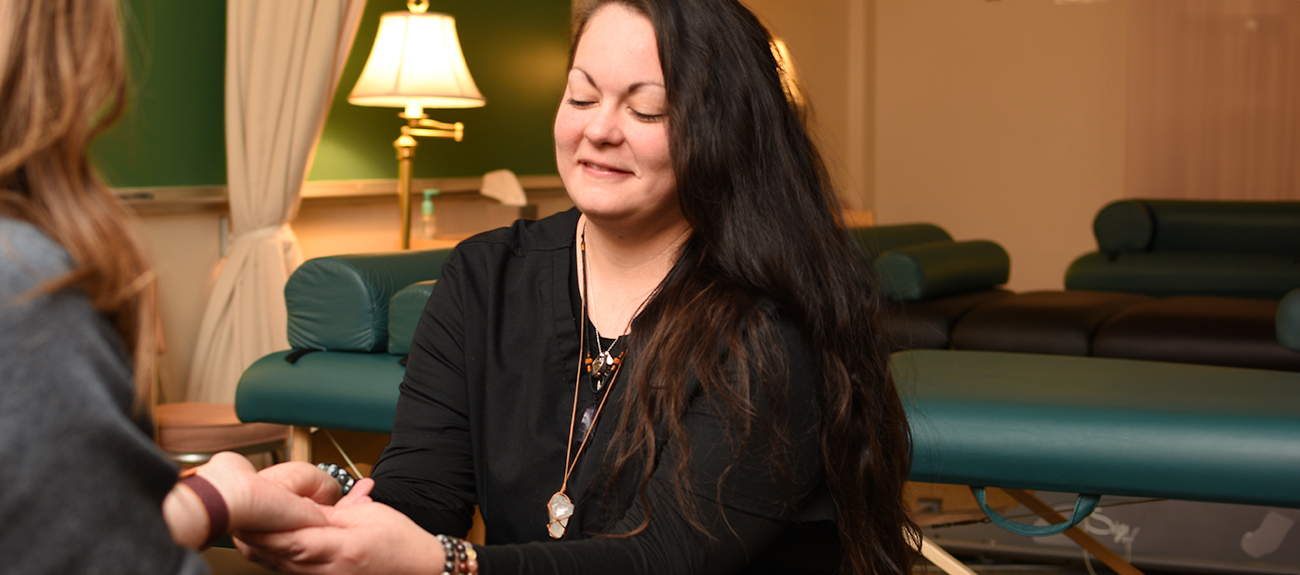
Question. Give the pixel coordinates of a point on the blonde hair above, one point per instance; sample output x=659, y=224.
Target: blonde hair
x=62, y=82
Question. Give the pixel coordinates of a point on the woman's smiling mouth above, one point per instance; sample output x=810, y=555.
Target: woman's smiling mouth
x=602, y=169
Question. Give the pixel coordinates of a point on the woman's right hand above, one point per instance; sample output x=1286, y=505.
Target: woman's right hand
x=363, y=537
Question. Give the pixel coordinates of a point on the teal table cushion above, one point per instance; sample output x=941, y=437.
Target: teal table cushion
x=1110, y=426
x=1287, y=321
x=404, y=312
x=1159, y=274
x=936, y=269
x=334, y=390
x=876, y=240
x=340, y=303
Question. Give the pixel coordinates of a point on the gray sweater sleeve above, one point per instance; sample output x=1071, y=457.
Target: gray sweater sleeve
x=83, y=484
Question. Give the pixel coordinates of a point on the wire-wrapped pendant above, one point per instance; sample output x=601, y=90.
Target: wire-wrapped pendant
x=560, y=509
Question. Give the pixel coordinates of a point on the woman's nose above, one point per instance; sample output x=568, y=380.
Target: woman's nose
x=603, y=129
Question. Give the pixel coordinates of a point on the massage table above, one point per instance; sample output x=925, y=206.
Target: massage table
x=1099, y=426
x=1021, y=422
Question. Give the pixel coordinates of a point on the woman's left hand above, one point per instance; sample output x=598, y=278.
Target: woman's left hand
x=362, y=537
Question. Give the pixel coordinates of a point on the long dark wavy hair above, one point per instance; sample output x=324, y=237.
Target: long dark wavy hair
x=767, y=239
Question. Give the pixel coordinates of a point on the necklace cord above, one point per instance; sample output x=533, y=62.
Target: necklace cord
x=570, y=464
x=570, y=457
x=577, y=379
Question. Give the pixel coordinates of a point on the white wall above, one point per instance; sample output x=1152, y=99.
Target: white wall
x=1002, y=120
x=187, y=256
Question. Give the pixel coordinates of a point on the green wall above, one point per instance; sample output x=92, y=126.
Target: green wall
x=172, y=134
x=517, y=51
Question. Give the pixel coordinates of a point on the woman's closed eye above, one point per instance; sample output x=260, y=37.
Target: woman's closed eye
x=647, y=117
x=577, y=103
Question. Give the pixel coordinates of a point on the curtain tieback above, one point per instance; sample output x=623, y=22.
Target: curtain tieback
x=282, y=230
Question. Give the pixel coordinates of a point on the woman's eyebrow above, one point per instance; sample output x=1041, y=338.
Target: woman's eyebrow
x=590, y=80
x=637, y=86
x=631, y=89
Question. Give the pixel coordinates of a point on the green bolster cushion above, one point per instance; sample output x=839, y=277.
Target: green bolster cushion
x=937, y=269
x=330, y=389
x=1124, y=226
x=1288, y=320
x=340, y=303
x=1260, y=276
x=404, y=313
x=1190, y=225
x=876, y=240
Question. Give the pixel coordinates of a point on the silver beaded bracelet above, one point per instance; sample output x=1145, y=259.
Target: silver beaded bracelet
x=345, y=479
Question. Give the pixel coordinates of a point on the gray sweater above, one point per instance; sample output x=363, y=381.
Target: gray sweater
x=82, y=484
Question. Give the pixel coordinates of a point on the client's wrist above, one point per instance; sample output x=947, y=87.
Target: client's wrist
x=212, y=502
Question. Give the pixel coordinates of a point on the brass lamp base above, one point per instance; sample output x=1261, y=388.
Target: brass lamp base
x=405, y=146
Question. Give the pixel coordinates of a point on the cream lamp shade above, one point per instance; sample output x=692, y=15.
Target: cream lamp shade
x=416, y=63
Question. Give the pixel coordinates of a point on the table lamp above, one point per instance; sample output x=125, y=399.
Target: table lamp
x=416, y=63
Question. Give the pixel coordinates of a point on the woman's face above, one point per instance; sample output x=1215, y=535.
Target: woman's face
x=611, y=132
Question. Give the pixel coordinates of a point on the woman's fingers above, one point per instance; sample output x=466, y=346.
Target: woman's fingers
x=284, y=545
x=251, y=553
x=361, y=538
x=360, y=493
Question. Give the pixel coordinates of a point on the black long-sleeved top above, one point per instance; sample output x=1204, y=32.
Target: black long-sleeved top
x=483, y=419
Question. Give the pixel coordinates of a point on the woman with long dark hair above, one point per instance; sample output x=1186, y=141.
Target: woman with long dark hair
x=683, y=374
x=84, y=489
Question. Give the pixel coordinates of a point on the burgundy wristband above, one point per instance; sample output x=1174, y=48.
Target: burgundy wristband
x=213, y=503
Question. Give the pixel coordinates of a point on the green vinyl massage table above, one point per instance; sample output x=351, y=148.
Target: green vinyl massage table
x=1101, y=426
x=1110, y=426
x=987, y=419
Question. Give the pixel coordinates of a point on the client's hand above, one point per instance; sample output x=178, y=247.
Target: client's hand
x=255, y=502
x=363, y=537
x=306, y=480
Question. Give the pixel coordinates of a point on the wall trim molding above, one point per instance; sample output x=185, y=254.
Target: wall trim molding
x=384, y=187
x=173, y=199
x=182, y=199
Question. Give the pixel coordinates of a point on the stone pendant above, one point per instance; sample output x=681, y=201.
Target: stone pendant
x=603, y=367
x=560, y=508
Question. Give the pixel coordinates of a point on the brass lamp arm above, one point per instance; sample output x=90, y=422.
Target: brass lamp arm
x=405, y=147
x=427, y=128
x=455, y=132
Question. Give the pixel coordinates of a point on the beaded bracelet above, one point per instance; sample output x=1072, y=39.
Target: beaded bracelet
x=339, y=474
x=461, y=558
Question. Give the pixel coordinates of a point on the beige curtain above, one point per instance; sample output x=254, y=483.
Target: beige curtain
x=1214, y=99
x=283, y=61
